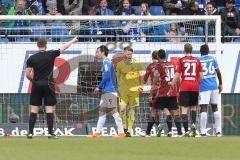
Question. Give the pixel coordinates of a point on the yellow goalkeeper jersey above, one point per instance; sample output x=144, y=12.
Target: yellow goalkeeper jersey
x=129, y=75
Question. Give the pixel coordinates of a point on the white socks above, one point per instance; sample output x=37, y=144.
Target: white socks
x=203, y=122
x=217, y=119
x=118, y=121
x=101, y=122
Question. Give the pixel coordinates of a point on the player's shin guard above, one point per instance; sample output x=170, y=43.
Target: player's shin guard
x=131, y=119
x=217, y=119
x=193, y=117
x=101, y=122
x=50, y=123
x=177, y=121
x=203, y=122
x=169, y=122
x=124, y=119
x=118, y=121
x=185, y=122
x=32, y=121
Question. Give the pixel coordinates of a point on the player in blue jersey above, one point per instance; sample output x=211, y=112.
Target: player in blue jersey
x=108, y=87
x=209, y=90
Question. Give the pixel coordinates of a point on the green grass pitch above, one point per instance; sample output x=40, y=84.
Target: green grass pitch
x=107, y=148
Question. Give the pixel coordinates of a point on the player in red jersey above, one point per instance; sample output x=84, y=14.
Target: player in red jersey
x=160, y=74
x=165, y=100
x=152, y=71
x=189, y=69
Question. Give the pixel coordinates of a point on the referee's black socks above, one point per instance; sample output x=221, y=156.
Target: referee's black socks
x=32, y=121
x=50, y=122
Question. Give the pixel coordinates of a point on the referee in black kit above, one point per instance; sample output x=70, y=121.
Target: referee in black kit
x=42, y=64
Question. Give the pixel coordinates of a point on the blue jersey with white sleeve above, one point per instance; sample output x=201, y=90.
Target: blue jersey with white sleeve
x=209, y=65
x=109, y=82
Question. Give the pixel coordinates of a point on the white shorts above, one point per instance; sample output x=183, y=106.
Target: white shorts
x=209, y=97
x=109, y=100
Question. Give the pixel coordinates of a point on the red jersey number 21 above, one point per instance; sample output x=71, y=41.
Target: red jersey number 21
x=190, y=69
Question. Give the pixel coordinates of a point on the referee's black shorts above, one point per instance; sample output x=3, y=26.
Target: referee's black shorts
x=42, y=92
x=166, y=102
x=189, y=98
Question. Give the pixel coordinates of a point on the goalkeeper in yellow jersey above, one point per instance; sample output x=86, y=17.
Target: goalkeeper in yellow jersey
x=130, y=85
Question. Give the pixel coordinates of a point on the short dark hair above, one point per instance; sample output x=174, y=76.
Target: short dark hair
x=155, y=55
x=204, y=49
x=230, y=1
x=42, y=42
x=212, y=3
x=162, y=54
x=188, y=48
x=128, y=49
x=104, y=49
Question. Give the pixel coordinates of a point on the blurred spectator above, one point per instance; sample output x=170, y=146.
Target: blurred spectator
x=87, y=4
x=103, y=8
x=192, y=8
x=145, y=9
x=8, y=4
x=2, y=9
x=20, y=9
x=193, y=28
x=2, y=23
x=105, y=11
x=34, y=7
x=93, y=26
x=211, y=9
x=230, y=19
x=125, y=8
x=53, y=7
x=73, y=7
x=92, y=11
x=113, y=5
x=173, y=33
x=12, y=116
x=130, y=28
x=172, y=7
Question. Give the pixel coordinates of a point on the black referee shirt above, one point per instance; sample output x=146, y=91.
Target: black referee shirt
x=42, y=64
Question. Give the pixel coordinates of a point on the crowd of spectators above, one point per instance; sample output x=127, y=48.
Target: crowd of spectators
x=228, y=9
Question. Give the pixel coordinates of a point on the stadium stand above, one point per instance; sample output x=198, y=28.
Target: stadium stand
x=63, y=33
